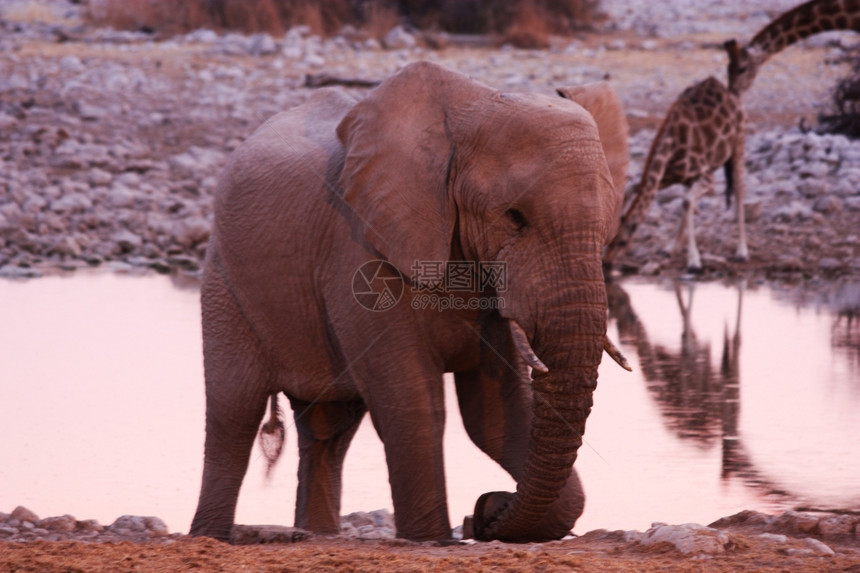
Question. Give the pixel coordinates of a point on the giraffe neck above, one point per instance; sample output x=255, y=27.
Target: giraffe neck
x=803, y=21
x=655, y=166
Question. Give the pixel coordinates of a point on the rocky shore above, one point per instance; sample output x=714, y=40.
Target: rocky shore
x=111, y=142
x=795, y=533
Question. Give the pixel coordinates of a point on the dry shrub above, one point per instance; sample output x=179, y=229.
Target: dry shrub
x=249, y=16
x=845, y=118
x=529, y=29
x=379, y=19
x=30, y=12
x=524, y=22
x=152, y=15
x=500, y=16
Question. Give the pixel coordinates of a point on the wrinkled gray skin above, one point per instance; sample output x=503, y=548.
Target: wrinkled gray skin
x=431, y=166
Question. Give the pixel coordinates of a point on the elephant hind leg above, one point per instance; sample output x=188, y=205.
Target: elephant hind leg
x=325, y=431
x=238, y=381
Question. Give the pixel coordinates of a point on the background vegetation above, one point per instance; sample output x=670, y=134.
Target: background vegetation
x=845, y=117
x=523, y=21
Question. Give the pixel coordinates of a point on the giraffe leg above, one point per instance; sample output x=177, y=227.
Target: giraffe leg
x=694, y=259
x=738, y=173
x=703, y=186
x=674, y=244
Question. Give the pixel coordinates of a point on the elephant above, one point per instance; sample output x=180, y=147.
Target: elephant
x=431, y=177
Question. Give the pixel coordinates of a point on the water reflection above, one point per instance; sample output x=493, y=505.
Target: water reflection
x=845, y=335
x=689, y=390
x=700, y=400
x=742, y=397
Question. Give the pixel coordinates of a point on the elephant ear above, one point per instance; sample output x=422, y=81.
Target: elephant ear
x=603, y=104
x=398, y=152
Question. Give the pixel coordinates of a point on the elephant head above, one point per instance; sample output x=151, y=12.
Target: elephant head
x=440, y=167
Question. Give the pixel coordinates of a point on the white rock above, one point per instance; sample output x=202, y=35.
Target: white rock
x=127, y=241
x=818, y=547
x=292, y=51
x=688, y=538
x=71, y=64
x=262, y=45
x=838, y=524
x=139, y=524
x=67, y=246
x=828, y=204
x=795, y=522
x=773, y=537
x=64, y=523
x=398, y=39
x=120, y=196
x=793, y=211
x=7, y=121
x=72, y=203
x=314, y=60
x=23, y=514
x=89, y=112
x=191, y=231
x=203, y=36
x=98, y=176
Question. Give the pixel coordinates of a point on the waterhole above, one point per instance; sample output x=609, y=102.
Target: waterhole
x=743, y=396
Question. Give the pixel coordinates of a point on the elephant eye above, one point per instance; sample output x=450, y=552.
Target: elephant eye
x=517, y=218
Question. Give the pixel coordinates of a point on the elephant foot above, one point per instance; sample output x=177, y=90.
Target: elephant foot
x=488, y=509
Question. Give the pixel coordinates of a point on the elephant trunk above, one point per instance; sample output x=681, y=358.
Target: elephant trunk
x=569, y=339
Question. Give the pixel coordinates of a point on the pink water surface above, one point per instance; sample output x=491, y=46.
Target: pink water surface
x=101, y=413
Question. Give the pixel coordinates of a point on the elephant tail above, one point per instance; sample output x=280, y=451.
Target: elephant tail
x=272, y=435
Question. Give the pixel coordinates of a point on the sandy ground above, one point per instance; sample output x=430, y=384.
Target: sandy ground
x=588, y=553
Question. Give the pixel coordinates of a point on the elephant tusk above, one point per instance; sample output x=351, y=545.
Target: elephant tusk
x=521, y=341
x=615, y=354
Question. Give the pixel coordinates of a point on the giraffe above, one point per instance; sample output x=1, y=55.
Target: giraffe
x=704, y=130
x=709, y=118
x=800, y=22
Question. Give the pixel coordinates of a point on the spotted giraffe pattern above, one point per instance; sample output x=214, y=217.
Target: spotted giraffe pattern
x=703, y=131
x=792, y=26
x=708, y=118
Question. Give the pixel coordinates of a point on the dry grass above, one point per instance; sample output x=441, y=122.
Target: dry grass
x=249, y=16
x=522, y=22
x=845, y=117
x=29, y=12
x=530, y=27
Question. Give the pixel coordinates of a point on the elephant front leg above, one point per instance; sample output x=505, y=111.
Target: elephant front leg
x=401, y=384
x=325, y=431
x=410, y=420
x=417, y=476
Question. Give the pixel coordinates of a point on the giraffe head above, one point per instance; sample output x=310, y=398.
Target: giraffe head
x=743, y=66
x=631, y=215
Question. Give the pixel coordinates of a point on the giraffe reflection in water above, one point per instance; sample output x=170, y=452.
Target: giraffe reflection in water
x=699, y=402
x=845, y=333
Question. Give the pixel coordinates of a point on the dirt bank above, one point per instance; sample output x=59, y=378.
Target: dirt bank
x=111, y=144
